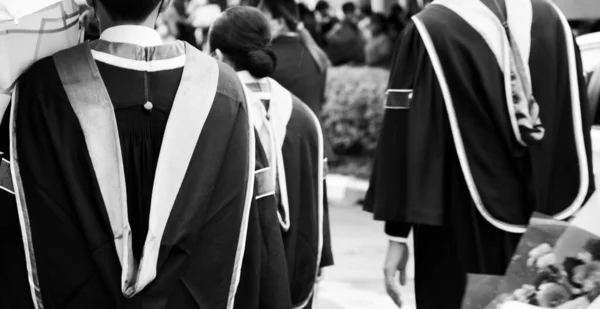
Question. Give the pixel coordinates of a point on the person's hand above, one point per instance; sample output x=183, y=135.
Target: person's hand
x=395, y=263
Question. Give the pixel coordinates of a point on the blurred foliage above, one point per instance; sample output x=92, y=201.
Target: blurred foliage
x=353, y=110
x=358, y=166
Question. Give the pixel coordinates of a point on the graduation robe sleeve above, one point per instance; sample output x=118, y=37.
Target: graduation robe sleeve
x=406, y=185
x=308, y=243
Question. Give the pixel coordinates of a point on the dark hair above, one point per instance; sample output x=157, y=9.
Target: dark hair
x=303, y=10
x=349, y=7
x=396, y=9
x=380, y=20
x=129, y=10
x=322, y=6
x=366, y=10
x=243, y=33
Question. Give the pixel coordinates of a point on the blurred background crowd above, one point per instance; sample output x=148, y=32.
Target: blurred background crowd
x=349, y=32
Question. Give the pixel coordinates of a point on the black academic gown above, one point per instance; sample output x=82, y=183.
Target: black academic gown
x=68, y=230
x=264, y=277
x=13, y=270
x=421, y=181
x=299, y=73
x=301, y=167
x=303, y=210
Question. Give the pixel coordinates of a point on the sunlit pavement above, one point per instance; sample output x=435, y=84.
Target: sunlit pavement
x=356, y=281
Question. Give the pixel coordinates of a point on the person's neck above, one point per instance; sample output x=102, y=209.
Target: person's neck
x=147, y=23
x=107, y=22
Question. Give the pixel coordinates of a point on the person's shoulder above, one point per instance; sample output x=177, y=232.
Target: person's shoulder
x=229, y=85
x=545, y=11
x=303, y=120
x=39, y=70
x=41, y=77
x=436, y=17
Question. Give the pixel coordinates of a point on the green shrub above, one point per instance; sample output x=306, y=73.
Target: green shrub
x=353, y=110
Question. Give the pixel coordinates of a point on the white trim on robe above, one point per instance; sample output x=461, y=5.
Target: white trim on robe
x=320, y=205
x=275, y=120
x=99, y=126
x=241, y=249
x=487, y=24
x=24, y=223
x=7, y=190
x=137, y=65
x=280, y=114
x=454, y=126
x=584, y=181
x=192, y=104
x=398, y=239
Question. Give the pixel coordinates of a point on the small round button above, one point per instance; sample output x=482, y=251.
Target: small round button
x=148, y=106
x=410, y=96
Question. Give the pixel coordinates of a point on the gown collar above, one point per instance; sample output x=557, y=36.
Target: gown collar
x=247, y=78
x=132, y=34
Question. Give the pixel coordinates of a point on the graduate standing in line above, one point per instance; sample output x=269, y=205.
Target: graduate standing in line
x=291, y=135
x=132, y=164
x=486, y=121
x=301, y=64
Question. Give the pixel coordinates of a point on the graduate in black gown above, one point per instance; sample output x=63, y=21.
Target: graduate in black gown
x=132, y=166
x=290, y=133
x=301, y=65
x=264, y=277
x=484, y=124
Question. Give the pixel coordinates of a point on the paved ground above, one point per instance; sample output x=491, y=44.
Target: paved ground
x=359, y=247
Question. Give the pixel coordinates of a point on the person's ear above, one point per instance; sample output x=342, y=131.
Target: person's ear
x=219, y=55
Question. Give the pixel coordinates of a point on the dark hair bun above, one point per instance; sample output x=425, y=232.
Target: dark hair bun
x=260, y=63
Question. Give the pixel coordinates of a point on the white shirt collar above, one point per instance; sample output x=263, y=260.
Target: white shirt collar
x=247, y=78
x=132, y=34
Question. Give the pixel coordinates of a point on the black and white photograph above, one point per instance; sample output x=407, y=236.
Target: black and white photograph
x=299, y=154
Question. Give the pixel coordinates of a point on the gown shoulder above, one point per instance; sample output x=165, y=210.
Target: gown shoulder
x=303, y=118
x=229, y=84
